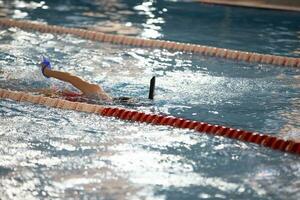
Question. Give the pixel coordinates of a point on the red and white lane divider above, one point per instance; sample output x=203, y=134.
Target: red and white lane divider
x=265, y=140
x=139, y=42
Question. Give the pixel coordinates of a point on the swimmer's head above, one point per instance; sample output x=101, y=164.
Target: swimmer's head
x=45, y=63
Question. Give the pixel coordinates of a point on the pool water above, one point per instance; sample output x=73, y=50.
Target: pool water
x=258, y=30
x=50, y=153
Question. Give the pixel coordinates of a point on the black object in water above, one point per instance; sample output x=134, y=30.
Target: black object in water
x=152, y=88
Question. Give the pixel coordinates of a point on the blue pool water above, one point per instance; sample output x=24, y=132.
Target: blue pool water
x=275, y=32
x=57, y=154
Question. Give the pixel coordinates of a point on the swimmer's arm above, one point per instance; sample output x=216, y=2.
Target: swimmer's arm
x=67, y=77
x=84, y=86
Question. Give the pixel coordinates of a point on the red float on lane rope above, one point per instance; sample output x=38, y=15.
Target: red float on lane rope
x=269, y=141
x=261, y=139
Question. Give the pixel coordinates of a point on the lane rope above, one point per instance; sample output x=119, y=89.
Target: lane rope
x=269, y=141
x=251, y=57
x=252, y=4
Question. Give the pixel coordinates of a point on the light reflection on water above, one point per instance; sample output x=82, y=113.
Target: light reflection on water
x=191, y=86
x=53, y=153
x=263, y=31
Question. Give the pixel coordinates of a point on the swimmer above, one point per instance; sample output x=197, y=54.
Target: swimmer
x=89, y=92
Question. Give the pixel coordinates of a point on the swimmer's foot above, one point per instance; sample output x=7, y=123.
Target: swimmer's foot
x=152, y=88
